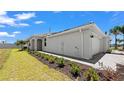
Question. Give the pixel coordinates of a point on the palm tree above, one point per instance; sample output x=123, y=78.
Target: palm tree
x=20, y=43
x=115, y=31
x=122, y=31
x=119, y=41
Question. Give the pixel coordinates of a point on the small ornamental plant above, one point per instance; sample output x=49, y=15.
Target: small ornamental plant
x=28, y=50
x=32, y=52
x=37, y=54
x=51, y=59
x=46, y=56
x=75, y=69
x=91, y=75
x=109, y=51
x=41, y=55
x=60, y=62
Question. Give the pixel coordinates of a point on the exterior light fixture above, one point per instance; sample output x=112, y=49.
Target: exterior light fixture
x=91, y=36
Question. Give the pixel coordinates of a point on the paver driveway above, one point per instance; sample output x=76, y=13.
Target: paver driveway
x=22, y=66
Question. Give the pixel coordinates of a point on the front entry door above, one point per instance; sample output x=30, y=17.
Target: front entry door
x=39, y=44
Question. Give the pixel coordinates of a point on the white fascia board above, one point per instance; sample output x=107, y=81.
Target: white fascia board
x=72, y=30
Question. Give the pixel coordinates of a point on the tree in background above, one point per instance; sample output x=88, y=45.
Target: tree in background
x=122, y=31
x=20, y=43
x=115, y=31
x=119, y=41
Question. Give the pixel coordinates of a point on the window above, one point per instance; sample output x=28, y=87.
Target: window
x=44, y=41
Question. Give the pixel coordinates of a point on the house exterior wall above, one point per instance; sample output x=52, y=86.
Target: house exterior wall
x=67, y=44
x=106, y=41
x=95, y=43
x=34, y=44
x=86, y=43
x=76, y=42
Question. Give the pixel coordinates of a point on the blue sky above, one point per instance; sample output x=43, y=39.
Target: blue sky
x=17, y=25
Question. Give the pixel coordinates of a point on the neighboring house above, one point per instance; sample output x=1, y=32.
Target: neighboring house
x=80, y=42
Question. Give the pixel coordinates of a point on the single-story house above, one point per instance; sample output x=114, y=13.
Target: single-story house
x=80, y=42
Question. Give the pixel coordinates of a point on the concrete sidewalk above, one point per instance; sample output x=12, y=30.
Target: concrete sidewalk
x=107, y=61
x=71, y=59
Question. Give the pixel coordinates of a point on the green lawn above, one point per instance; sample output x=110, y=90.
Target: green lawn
x=22, y=66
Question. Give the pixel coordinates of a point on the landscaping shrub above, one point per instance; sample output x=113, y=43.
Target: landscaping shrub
x=43, y=56
x=32, y=52
x=40, y=54
x=109, y=51
x=46, y=56
x=24, y=48
x=37, y=53
x=28, y=50
x=51, y=59
x=91, y=75
x=60, y=62
x=75, y=69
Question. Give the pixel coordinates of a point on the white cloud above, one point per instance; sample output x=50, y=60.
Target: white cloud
x=25, y=16
x=16, y=32
x=6, y=34
x=7, y=20
x=2, y=26
x=3, y=13
x=4, y=20
x=16, y=22
x=56, y=12
x=39, y=22
x=22, y=24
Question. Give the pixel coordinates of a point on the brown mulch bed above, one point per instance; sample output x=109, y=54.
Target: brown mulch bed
x=65, y=69
x=104, y=75
x=120, y=70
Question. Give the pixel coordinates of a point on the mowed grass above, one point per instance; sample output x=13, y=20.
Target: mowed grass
x=4, y=54
x=22, y=66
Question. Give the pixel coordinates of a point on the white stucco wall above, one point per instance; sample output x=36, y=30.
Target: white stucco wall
x=34, y=44
x=91, y=46
x=75, y=42
x=67, y=44
x=86, y=43
x=106, y=42
x=95, y=45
